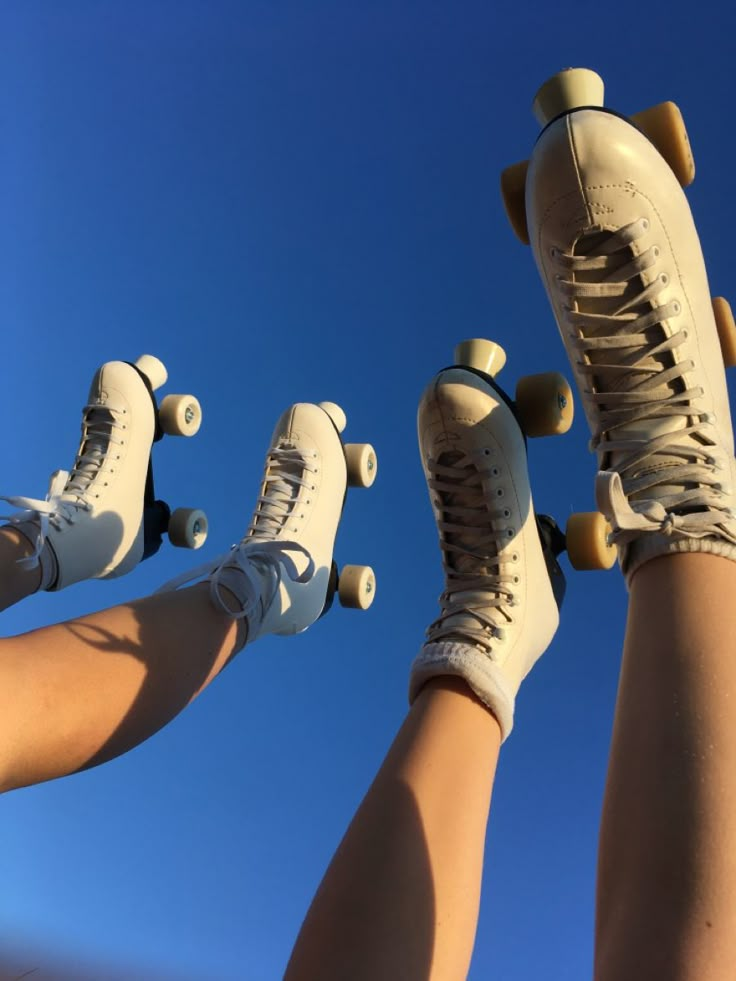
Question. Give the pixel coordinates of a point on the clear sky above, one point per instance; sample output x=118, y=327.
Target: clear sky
x=293, y=201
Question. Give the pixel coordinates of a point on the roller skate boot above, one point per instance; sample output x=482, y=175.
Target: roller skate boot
x=281, y=576
x=503, y=583
x=101, y=518
x=601, y=203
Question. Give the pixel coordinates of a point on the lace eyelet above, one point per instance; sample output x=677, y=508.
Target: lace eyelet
x=645, y=224
x=676, y=308
x=516, y=580
x=510, y=532
x=514, y=556
x=664, y=279
x=499, y=492
x=495, y=472
x=655, y=251
x=506, y=513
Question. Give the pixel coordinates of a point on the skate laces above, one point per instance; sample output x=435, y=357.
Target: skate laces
x=479, y=586
x=68, y=490
x=252, y=570
x=663, y=476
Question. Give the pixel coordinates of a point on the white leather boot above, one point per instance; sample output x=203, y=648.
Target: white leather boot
x=499, y=608
x=619, y=255
x=281, y=576
x=100, y=519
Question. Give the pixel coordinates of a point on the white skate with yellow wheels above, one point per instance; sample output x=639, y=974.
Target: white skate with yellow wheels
x=601, y=203
x=504, y=585
x=101, y=518
x=281, y=576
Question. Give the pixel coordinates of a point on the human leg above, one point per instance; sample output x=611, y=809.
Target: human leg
x=667, y=860
x=79, y=693
x=619, y=254
x=401, y=896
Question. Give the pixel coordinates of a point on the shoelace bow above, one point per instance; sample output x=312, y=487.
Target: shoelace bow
x=472, y=537
x=67, y=493
x=618, y=334
x=260, y=554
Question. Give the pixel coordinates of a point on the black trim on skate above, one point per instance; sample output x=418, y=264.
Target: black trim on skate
x=332, y=586
x=334, y=581
x=156, y=514
x=553, y=543
x=610, y=112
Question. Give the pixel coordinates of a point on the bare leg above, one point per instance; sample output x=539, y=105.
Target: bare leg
x=15, y=582
x=80, y=693
x=667, y=872
x=401, y=897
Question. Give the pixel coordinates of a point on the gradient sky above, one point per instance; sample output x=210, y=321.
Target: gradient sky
x=299, y=201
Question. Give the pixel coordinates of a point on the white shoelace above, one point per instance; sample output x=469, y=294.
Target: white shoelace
x=252, y=570
x=479, y=585
x=68, y=491
x=626, y=355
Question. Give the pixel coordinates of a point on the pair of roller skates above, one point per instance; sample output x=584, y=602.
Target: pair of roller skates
x=601, y=204
x=102, y=518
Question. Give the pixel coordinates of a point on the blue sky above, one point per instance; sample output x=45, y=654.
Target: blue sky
x=299, y=201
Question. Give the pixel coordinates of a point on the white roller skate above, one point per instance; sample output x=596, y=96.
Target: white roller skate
x=614, y=240
x=503, y=586
x=99, y=520
x=281, y=576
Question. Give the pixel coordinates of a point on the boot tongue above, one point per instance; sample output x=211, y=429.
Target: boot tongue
x=279, y=494
x=641, y=430
x=98, y=425
x=469, y=495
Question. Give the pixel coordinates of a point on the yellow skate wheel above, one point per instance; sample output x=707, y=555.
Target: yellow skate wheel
x=726, y=330
x=587, y=541
x=188, y=528
x=664, y=126
x=336, y=414
x=154, y=370
x=362, y=464
x=357, y=587
x=545, y=404
x=567, y=90
x=482, y=355
x=513, y=192
x=180, y=415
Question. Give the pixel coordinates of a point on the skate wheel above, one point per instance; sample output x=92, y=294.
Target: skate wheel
x=180, y=415
x=545, y=404
x=482, y=355
x=726, y=330
x=335, y=413
x=587, y=541
x=569, y=89
x=513, y=192
x=154, y=370
x=664, y=126
x=188, y=528
x=362, y=464
x=357, y=587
